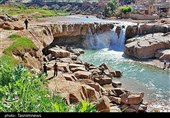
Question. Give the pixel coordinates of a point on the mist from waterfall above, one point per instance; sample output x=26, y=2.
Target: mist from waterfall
x=108, y=39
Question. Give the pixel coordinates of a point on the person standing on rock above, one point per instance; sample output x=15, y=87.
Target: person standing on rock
x=45, y=69
x=26, y=23
x=55, y=69
x=164, y=64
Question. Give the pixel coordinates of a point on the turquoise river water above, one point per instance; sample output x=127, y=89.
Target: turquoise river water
x=137, y=77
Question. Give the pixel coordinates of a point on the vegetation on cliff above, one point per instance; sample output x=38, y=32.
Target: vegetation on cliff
x=19, y=45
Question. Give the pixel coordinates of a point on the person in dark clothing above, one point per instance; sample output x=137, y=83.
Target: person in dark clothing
x=164, y=64
x=55, y=69
x=45, y=69
x=26, y=23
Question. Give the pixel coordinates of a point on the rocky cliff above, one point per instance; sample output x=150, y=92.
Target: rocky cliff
x=145, y=47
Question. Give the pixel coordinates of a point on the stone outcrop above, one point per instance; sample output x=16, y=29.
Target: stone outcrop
x=145, y=47
x=41, y=37
x=11, y=26
x=163, y=54
x=132, y=98
x=103, y=104
x=72, y=92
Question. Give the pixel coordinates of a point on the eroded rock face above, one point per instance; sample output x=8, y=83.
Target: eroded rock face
x=73, y=92
x=163, y=54
x=145, y=47
x=103, y=104
x=41, y=37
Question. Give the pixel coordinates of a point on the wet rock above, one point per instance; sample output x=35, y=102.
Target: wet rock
x=118, y=91
x=117, y=74
x=116, y=84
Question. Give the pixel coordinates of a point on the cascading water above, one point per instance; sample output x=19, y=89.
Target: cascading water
x=118, y=43
x=108, y=39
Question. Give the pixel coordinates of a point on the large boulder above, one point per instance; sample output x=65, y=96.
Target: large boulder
x=7, y=26
x=18, y=27
x=131, y=31
x=59, y=53
x=145, y=47
x=103, y=81
x=116, y=84
x=132, y=98
x=103, y=104
x=73, y=92
x=83, y=75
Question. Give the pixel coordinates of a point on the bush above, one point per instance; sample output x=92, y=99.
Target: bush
x=126, y=9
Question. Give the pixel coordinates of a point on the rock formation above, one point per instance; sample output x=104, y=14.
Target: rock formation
x=145, y=47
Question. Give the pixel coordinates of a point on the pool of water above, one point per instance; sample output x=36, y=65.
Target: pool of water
x=137, y=77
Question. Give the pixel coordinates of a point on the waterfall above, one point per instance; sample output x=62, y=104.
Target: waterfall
x=118, y=42
x=98, y=40
x=108, y=39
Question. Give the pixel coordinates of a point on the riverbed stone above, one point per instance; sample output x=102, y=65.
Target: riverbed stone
x=132, y=98
x=83, y=75
x=116, y=84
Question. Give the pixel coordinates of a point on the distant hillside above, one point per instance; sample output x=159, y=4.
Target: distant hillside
x=26, y=1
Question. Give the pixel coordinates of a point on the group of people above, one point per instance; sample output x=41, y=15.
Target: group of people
x=55, y=67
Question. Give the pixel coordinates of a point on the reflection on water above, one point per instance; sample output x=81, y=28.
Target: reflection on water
x=137, y=77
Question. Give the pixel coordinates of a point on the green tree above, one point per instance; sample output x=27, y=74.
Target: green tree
x=110, y=8
x=126, y=9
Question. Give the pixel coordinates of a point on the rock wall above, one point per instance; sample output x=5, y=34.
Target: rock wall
x=75, y=34
x=146, y=47
x=41, y=37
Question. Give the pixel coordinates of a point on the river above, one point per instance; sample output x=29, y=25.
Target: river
x=137, y=77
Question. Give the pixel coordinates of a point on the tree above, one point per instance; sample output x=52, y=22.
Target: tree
x=126, y=9
x=110, y=8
